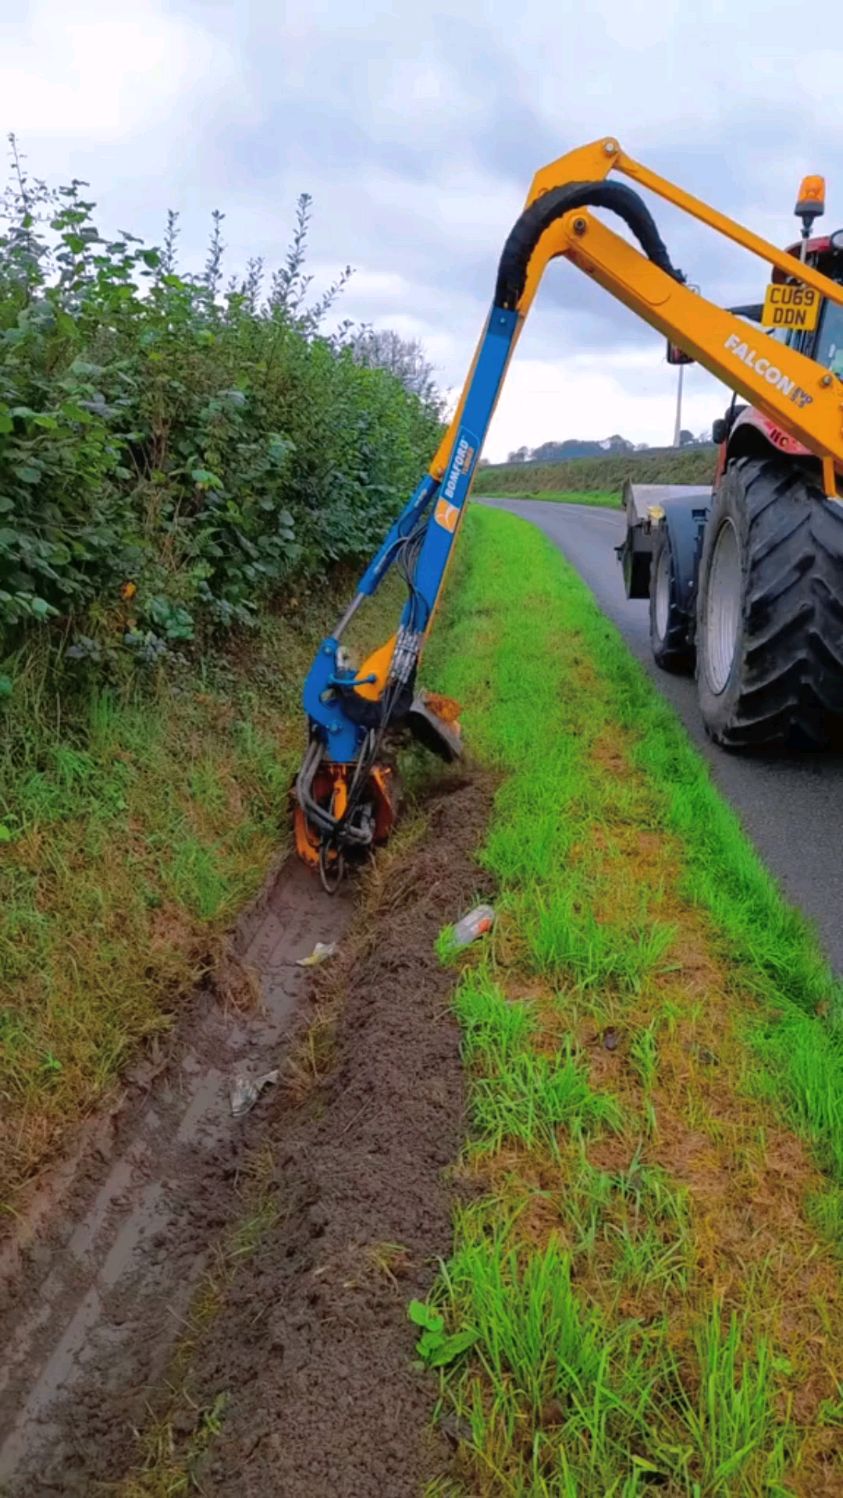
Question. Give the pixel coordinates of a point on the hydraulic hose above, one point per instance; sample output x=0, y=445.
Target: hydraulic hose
x=526, y=233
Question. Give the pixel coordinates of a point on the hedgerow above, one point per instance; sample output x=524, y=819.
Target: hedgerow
x=667, y=465
x=173, y=452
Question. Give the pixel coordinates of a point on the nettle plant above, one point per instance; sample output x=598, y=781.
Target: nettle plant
x=174, y=451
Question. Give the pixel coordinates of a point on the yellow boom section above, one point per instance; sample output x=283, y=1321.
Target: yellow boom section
x=799, y=395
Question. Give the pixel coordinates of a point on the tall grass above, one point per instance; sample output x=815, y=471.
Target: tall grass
x=134, y=823
x=519, y=1095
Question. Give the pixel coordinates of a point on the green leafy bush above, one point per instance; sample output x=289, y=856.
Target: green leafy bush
x=173, y=453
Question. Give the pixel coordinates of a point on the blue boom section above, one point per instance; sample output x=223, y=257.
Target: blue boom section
x=444, y=499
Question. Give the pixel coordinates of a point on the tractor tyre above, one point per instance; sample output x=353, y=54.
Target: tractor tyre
x=669, y=624
x=770, y=608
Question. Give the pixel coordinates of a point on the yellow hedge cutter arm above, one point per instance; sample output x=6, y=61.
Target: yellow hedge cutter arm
x=344, y=787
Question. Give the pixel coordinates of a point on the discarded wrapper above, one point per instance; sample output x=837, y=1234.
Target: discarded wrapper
x=321, y=952
x=245, y=1091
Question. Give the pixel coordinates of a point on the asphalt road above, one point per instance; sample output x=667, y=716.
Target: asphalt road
x=792, y=808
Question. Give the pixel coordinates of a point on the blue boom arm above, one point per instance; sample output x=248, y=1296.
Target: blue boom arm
x=431, y=519
x=342, y=787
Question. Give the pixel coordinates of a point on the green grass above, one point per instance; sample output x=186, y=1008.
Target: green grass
x=732, y=1417
x=605, y=1359
x=565, y=938
x=812, y=1075
x=553, y=1367
x=551, y=805
x=592, y=1404
x=519, y=1095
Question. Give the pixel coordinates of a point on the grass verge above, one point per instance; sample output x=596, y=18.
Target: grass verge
x=134, y=826
x=648, y=1280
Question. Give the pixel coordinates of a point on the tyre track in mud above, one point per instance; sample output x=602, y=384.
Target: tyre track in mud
x=310, y=1352
x=314, y=1350
x=99, y=1276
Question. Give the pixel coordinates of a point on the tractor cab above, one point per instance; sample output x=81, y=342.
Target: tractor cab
x=798, y=316
x=705, y=557
x=824, y=341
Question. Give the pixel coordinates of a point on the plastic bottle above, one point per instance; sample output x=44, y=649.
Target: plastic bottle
x=478, y=921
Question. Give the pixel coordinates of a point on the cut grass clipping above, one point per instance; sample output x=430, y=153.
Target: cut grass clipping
x=645, y=1290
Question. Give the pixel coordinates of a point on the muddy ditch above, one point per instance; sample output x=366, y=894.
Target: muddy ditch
x=307, y=1355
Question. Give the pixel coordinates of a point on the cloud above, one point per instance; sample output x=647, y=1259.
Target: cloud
x=417, y=129
x=633, y=394
x=90, y=73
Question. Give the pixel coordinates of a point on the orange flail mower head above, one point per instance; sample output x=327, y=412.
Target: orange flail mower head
x=330, y=790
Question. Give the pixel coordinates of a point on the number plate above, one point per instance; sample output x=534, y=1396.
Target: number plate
x=796, y=307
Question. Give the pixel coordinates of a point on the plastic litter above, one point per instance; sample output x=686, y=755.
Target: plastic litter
x=478, y=921
x=321, y=952
x=245, y=1091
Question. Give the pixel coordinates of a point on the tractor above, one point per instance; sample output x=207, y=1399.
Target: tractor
x=744, y=578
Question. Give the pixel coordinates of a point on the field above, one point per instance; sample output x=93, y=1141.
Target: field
x=669, y=465
x=590, y=1169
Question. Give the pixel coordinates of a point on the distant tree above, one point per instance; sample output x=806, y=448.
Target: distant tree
x=572, y=447
x=547, y=452
x=686, y=438
x=383, y=348
x=577, y=448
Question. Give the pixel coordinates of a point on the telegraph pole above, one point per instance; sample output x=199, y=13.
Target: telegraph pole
x=678, y=428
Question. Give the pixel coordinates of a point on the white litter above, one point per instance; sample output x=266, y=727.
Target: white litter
x=321, y=952
x=245, y=1091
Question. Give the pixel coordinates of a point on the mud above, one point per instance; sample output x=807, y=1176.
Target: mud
x=100, y=1273
x=310, y=1353
x=315, y=1349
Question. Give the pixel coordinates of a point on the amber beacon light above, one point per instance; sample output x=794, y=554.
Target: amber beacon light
x=810, y=203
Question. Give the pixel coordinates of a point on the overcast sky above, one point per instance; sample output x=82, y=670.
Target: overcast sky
x=417, y=127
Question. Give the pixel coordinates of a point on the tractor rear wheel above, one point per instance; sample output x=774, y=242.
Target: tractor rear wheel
x=668, y=621
x=770, y=608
